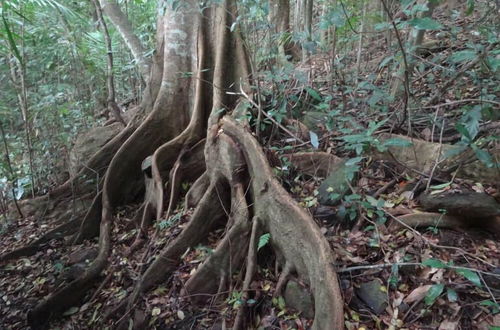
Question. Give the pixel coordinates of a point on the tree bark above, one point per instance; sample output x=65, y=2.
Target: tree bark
x=360, y=44
x=124, y=27
x=308, y=17
x=279, y=18
x=113, y=107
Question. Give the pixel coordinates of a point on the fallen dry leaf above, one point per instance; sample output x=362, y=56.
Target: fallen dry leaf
x=417, y=294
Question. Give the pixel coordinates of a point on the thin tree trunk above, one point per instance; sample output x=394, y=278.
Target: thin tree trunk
x=308, y=14
x=124, y=27
x=415, y=43
x=297, y=15
x=113, y=107
x=279, y=18
x=9, y=167
x=325, y=32
x=17, y=73
x=360, y=44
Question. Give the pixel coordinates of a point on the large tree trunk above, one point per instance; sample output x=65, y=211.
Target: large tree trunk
x=279, y=18
x=199, y=69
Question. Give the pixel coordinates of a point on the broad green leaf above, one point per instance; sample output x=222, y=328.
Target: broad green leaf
x=353, y=161
x=58, y=267
x=463, y=131
x=372, y=201
x=315, y=95
x=451, y=294
x=441, y=186
x=281, y=303
x=251, y=301
x=458, y=149
x=494, y=306
x=396, y=142
x=314, y=139
x=433, y=293
x=434, y=263
x=483, y=156
x=263, y=240
x=471, y=120
x=382, y=26
x=393, y=279
x=425, y=23
x=470, y=275
x=385, y=61
x=10, y=37
x=494, y=63
x=406, y=3
x=463, y=56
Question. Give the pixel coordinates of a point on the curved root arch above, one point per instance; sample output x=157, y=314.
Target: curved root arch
x=233, y=156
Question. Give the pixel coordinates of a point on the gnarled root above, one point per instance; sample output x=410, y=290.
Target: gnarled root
x=439, y=220
x=232, y=156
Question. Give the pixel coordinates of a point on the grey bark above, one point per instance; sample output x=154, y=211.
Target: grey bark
x=124, y=27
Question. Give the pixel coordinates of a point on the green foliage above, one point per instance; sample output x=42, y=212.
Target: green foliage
x=63, y=58
x=470, y=275
x=434, y=263
x=433, y=293
x=425, y=23
x=263, y=241
x=495, y=307
x=164, y=224
x=451, y=295
x=364, y=139
x=437, y=289
x=235, y=300
x=468, y=127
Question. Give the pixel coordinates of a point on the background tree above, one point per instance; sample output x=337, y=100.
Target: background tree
x=124, y=27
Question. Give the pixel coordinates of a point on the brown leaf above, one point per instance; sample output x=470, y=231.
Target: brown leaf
x=448, y=325
x=417, y=294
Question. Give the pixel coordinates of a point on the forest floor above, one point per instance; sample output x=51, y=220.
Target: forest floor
x=383, y=281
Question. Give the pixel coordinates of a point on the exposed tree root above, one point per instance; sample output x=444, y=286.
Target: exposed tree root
x=230, y=252
x=428, y=219
x=311, y=256
x=232, y=155
x=250, y=270
x=197, y=190
x=283, y=279
x=89, y=227
x=439, y=220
